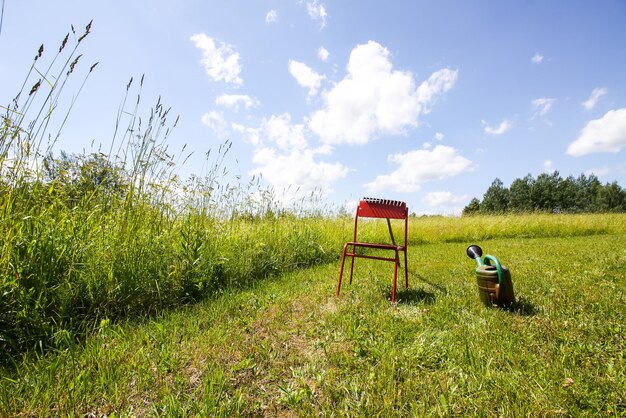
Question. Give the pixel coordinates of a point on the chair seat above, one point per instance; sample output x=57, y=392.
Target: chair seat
x=375, y=245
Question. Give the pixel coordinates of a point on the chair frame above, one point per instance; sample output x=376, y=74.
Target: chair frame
x=378, y=208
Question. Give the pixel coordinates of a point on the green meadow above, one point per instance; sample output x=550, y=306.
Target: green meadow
x=287, y=346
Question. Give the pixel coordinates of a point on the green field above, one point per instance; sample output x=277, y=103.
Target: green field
x=286, y=346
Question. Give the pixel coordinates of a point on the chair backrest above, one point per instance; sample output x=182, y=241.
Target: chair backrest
x=381, y=208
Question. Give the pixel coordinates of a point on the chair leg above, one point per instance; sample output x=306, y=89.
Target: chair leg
x=343, y=259
x=395, y=277
x=406, y=270
x=352, y=263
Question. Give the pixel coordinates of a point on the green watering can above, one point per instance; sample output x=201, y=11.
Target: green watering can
x=495, y=287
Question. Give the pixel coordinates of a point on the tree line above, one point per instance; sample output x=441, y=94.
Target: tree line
x=550, y=193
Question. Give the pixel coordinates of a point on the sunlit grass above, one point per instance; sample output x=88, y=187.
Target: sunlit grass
x=288, y=346
x=462, y=229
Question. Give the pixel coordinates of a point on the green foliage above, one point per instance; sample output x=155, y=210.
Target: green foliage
x=472, y=208
x=551, y=193
x=82, y=178
x=496, y=198
x=288, y=347
x=519, y=194
x=437, y=229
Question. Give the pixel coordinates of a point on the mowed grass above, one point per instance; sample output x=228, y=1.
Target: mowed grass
x=286, y=346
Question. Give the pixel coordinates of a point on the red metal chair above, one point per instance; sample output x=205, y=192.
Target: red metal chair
x=379, y=208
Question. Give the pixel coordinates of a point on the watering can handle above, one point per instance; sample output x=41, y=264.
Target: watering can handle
x=488, y=259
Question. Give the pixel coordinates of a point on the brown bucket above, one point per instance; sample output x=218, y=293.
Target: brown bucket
x=491, y=291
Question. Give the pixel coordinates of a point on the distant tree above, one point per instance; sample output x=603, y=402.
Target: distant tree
x=519, y=194
x=544, y=192
x=496, y=198
x=587, y=192
x=550, y=192
x=473, y=207
x=611, y=198
x=566, y=195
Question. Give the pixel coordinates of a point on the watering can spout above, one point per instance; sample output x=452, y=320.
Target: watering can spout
x=475, y=253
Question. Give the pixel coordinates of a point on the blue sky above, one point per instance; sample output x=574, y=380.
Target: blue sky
x=421, y=101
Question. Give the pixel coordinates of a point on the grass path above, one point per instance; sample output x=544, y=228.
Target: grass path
x=288, y=347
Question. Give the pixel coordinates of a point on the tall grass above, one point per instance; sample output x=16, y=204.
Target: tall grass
x=529, y=225
x=440, y=229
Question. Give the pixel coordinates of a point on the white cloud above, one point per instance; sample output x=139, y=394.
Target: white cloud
x=504, y=126
x=607, y=134
x=323, y=54
x=438, y=199
x=548, y=166
x=542, y=106
x=233, y=101
x=215, y=121
x=221, y=63
x=279, y=130
x=438, y=82
x=537, y=58
x=286, y=162
x=596, y=93
x=439, y=136
x=305, y=76
x=271, y=17
x=317, y=12
x=598, y=172
x=296, y=174
x=427, y=145
x=374, y=98
x=420, y=166
x=252, y=135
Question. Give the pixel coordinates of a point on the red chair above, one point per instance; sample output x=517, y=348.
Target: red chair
x=379, y=208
